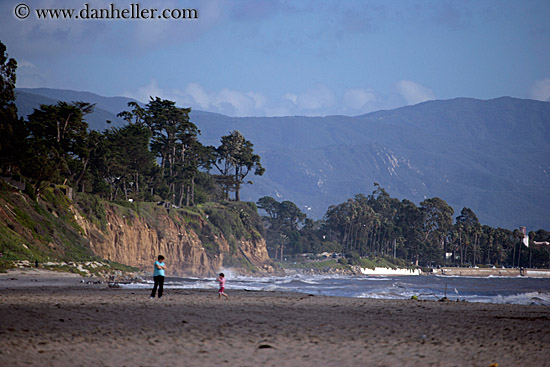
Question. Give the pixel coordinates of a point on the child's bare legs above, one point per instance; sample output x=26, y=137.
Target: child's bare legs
x=220, y=294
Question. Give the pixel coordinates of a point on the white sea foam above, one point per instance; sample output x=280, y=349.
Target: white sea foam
x=477, y=277
x=514, y=290
x=530, y=298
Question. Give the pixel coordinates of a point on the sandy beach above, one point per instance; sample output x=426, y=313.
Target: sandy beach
x=52, y=319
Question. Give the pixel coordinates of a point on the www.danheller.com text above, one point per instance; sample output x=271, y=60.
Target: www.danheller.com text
x=132, y=11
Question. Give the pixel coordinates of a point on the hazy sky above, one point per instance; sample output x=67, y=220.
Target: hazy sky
x=293, y=57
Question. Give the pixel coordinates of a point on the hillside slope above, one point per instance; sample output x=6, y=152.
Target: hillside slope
x=106, y=108
x=199, y=242
x=492, y=156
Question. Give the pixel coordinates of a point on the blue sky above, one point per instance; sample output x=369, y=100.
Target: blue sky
x=273, y=58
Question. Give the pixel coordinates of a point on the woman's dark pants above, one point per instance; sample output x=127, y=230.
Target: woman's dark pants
x=159, y=282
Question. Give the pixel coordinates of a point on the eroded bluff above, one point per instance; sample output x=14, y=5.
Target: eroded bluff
x=192, y=243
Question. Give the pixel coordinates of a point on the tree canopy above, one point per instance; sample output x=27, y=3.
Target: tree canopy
x=11, y=129
x=156, y=156
x=378, y=225
x=234, y=159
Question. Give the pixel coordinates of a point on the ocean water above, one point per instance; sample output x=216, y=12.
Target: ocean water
x=513, y=290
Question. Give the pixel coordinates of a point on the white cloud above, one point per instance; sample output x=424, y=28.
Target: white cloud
x=318, y=101
x=541, y=90
x=259, y=99
x=225, y=101
x=198, y=95
x=414, y=93
x=291, y=97
x=241, y=104
x=144, y=93
x=28, y=75
x=357, y=99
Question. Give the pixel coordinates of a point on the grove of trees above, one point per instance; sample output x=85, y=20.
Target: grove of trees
x=156, y=156
x=378, y=225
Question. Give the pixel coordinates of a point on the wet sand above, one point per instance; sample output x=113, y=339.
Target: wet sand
x=48, y=319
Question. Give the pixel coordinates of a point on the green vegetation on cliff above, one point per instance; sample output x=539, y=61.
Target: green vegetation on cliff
x=43, y=230
x=156, y=165
x=46, y=229
x=153, y=165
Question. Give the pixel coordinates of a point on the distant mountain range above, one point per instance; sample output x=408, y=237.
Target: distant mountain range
x=106, y=108
x=492, y=156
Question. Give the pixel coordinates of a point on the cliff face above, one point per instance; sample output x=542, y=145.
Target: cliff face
x=137, y=239
x=197, y=241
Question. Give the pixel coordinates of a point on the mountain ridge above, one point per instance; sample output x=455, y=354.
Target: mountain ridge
x=489, y=155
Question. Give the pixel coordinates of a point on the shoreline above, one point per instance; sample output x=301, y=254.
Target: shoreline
x=56, y=320
x=487, y=272
x=123, y=276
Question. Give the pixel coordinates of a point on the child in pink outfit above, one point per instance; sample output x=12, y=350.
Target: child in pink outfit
x=221, y=280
